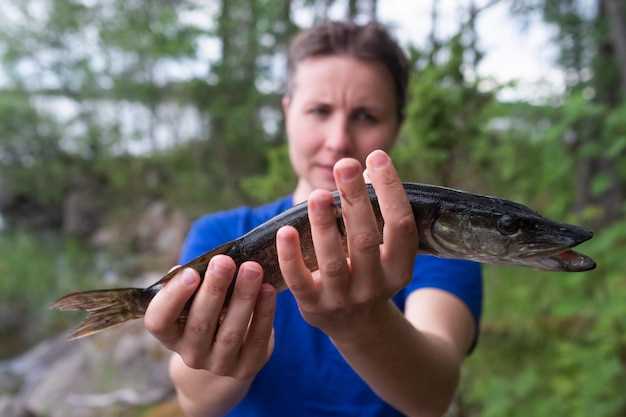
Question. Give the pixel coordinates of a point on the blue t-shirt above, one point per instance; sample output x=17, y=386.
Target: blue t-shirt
x=306, y=375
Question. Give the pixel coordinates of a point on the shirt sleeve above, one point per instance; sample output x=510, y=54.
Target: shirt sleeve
x=460, y=278
x=207, y=233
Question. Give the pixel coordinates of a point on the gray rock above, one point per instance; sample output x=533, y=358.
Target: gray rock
x=157, y=232
x=81, y=212
x=48, y=396
x=10, y=382
x=29, y=367
x=13, y=407
x=161, y=230
x=100, y=376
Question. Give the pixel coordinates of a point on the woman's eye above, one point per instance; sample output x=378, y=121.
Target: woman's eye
x=364, y=116
x=320, y=111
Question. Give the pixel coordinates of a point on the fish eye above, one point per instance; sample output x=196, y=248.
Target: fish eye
x=507, y=225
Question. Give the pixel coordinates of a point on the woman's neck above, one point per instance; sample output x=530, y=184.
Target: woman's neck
x=302, y=191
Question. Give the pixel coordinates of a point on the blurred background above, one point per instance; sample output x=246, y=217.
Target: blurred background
x=123, y=120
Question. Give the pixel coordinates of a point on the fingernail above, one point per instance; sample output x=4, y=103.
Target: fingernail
x=284, y=234
x=189, y=277
x=217, y=267
x=320, y=200
x=379, y=159
x=250, y=272
x=349, y=172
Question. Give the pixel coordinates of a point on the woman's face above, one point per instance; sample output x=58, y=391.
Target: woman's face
x=339, y=107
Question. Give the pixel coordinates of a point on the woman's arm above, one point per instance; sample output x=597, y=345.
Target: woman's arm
x=413, y=361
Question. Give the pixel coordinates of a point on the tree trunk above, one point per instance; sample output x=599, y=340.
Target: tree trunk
x=591, y=167
x=432, y=36
x=353, y=9
x=616, y=14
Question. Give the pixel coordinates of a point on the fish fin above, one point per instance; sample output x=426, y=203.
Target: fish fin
x=105, y=308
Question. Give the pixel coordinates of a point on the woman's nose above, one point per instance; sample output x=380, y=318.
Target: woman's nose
x=338, y=135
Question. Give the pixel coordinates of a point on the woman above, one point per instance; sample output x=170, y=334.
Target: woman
x=381, y=333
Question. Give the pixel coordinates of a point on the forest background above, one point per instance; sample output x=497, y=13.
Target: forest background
x=104, y=111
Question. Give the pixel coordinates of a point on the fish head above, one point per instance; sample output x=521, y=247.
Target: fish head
x=503, y=232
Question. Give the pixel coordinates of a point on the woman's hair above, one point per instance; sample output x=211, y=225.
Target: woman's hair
x=370, y=42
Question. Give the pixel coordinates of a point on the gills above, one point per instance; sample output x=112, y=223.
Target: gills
x=451, y=224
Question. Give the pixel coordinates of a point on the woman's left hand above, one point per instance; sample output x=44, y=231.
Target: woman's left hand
x=348, y=295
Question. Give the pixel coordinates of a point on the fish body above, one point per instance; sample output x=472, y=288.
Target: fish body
x=451, y=224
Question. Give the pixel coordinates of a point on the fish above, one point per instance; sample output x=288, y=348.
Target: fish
x=450, y=223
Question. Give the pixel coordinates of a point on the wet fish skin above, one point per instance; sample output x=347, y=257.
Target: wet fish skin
x=451, y=224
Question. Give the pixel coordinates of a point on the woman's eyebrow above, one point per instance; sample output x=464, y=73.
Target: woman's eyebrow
x=373, y=108
x=316, y=101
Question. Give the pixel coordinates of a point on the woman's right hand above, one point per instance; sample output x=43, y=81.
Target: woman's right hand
x=236, y=343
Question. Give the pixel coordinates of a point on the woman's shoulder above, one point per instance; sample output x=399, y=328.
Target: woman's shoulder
x=241, y=219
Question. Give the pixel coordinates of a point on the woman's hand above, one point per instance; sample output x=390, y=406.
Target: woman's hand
x=346, y=296
x=236, y=343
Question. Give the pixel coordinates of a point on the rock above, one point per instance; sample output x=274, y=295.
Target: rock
x=32, y=365
x=157, y=234
x=161, y=231
x=106, y=375
x=121, y=368
x=13, y=407
x=48, y=396
x=10, y=383
x=106, y=236
x=81, y=212
x=165, y=409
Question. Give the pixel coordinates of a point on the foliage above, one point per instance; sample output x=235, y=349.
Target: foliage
x=34, y=270
x=446, y=118
x=279, y=179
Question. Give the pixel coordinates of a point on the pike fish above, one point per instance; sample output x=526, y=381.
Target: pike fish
x=451, y=224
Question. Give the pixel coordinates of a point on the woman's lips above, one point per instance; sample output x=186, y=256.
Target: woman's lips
x=327, y=169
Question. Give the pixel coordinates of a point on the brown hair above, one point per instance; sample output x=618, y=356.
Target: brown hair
x=369, y=42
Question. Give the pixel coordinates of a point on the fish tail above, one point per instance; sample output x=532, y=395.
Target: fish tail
x=105, y=308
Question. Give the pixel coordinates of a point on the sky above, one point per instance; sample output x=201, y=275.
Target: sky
x=512, y=52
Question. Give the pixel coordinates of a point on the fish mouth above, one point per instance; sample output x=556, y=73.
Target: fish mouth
x=565, y=261
x=566, y=238
x=558, y=256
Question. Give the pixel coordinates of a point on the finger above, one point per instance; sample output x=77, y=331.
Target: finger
x=400, y=232
x=362, y=228
x=162, y=314
x=257, y=346
x=232, y=331
x=297, y=276
x=331, y=258
x=366, y=177
x=205, y=312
